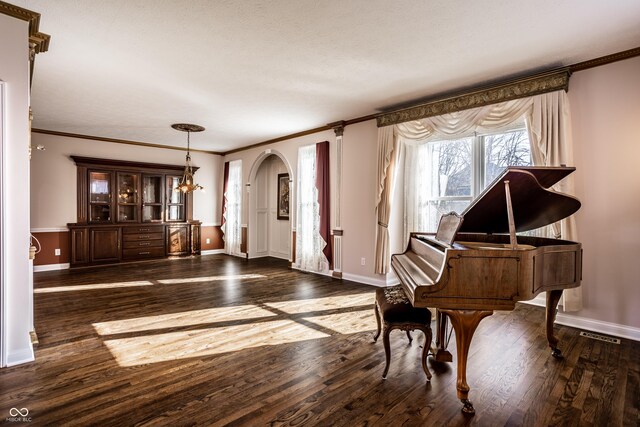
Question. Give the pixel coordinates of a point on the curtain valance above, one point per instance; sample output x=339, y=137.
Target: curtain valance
x=524, y=87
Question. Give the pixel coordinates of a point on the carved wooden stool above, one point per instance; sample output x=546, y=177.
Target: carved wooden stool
x=396, y=312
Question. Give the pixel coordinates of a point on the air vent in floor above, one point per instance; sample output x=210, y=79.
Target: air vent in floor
x=600, y=337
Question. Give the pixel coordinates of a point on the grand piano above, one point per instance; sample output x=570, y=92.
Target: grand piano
x=476, y=263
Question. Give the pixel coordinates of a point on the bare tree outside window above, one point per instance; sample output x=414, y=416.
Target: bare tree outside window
x=448, y=184
x=505, y=149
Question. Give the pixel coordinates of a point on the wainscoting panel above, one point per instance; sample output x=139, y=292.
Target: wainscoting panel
x=262, y=232
x=49, y=242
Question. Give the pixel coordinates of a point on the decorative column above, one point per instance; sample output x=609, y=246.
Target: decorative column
x=338, y=128
x=244, y=232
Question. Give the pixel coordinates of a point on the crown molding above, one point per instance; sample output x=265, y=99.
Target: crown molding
x=39, y=41
x=92, y=161
x=604, y=60
x=118, y=141
x=281, y=138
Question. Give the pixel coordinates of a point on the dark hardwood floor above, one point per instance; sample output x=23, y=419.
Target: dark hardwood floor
x=218, y=340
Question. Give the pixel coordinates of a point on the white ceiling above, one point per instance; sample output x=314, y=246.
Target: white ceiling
x=250, y=71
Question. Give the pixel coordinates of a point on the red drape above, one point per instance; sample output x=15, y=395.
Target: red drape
x=225, y=183
x=322, y=184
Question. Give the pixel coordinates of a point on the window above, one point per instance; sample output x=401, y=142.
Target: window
x=309, y=243
x=446, y=175
x=232, y=224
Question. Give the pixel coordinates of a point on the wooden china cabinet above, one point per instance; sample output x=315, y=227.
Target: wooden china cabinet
x=129, y=211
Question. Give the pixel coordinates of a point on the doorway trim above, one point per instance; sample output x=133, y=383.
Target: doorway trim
x=253, y=172
x=3, y=295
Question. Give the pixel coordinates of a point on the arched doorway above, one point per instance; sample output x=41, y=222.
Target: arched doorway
x=268, y=231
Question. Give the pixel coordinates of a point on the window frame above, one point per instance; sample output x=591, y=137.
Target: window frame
x=477, y=163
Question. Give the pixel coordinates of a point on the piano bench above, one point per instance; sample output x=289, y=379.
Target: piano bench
x=394, y=311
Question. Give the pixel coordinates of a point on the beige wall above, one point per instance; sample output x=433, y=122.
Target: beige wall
x=358, y=188
x=605, y=108
x=358, y=199
x=53, y=176
x=287, y=149
x=17, y=298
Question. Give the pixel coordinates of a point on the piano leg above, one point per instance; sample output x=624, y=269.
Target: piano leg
x=464, y=324
x=553, y=297
x=439, y=350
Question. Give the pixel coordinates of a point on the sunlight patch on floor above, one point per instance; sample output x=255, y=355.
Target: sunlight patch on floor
x=205, y=342
x=92, y=287
x=211, y=278
x=347, y=323
x=184, y=318
x=298, y=320
x=324, y=303
x=99, y=286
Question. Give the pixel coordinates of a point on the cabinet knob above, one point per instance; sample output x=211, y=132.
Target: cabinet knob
x=143, y=237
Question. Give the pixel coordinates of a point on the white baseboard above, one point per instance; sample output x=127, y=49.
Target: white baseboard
x=270, y=255
x=238, y=255
x=49, y=230
x=212, y=252
x=392, y=279
x=540, y=300
x=279, y=255
x=321, y=273
x=19, y=357
x=599, y=326
x=384, y=280
x=365, y=279
x=602, y=327
x=50, y=267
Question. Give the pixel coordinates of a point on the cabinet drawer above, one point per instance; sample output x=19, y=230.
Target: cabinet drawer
x=142, y=236
x=159, y=243
x=143, y=229
x=142, y=253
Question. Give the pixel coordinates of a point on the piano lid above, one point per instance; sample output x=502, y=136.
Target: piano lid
x=534, y=205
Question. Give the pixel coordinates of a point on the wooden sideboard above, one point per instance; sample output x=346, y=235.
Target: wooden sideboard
x=129, y=211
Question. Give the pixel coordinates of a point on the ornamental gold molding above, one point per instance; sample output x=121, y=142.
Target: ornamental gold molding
x=514, y=89
x=338, y=127
x=39, y=41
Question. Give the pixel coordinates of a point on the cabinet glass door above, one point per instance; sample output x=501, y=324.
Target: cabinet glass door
x=128, y=197
x=175, y=200
x=151, y=198
x=99, y=196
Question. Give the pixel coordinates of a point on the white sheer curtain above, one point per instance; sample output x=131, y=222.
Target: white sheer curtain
x=232, y=224
x=416, y=196
x=388, y=153
x=309, y=243
x=548, y=123
x=549, y=126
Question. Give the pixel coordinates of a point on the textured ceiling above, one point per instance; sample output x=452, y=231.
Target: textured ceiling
x=250, y=71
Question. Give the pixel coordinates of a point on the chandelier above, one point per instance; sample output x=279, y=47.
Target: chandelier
x=187, y=185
